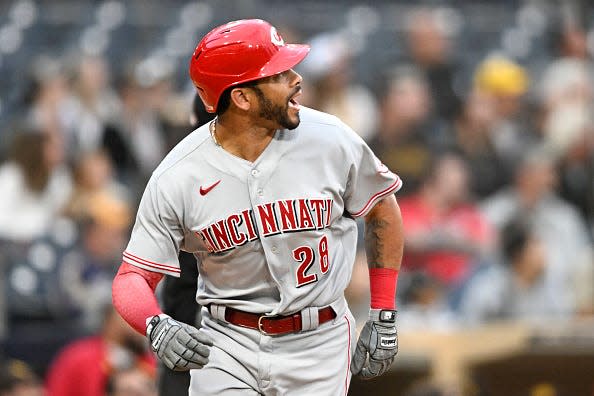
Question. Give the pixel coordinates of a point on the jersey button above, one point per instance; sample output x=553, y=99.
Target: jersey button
x=274, y=249
x=260, y=192
x=255, y=172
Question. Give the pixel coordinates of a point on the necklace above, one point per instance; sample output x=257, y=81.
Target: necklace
x=213, y=131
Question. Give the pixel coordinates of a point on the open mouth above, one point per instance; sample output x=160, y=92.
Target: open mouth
x=293, y=102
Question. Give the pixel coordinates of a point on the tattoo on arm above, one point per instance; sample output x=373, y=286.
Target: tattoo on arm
x=375, y=243
x=383, y=235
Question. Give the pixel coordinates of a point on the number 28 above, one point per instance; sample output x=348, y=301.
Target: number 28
x=305, y=256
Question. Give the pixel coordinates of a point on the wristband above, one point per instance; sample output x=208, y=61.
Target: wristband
x=382, y=287
x=151, y=322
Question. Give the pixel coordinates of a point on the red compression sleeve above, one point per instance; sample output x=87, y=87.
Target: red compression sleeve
x=133, y=295
x=382, y=287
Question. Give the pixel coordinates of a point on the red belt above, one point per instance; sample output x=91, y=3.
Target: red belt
x=273, y=325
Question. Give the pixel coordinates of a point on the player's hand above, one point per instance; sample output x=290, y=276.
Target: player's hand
x=379, y=341
x=179, y=346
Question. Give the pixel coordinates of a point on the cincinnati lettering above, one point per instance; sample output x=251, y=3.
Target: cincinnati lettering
x=272, y=218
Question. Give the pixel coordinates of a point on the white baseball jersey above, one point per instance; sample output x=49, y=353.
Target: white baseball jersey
x=272, y=236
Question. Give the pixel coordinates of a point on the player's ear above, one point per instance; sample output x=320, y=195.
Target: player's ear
x=242, y=98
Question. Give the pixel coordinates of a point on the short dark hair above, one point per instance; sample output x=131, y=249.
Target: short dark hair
x=27, y=151
x=224, y=101
x=515, y=235
x=436, y=158
x=225, y=98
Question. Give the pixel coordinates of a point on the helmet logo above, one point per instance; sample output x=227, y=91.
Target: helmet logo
x=276, y=38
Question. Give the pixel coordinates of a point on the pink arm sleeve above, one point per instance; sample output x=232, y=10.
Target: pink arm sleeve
x=133, y=295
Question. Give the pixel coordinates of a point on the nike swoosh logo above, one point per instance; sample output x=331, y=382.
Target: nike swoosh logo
x=204, y=191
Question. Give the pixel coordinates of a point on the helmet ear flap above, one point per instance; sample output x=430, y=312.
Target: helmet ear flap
x=203, y=97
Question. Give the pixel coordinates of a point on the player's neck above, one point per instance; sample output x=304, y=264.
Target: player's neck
x=241, y=138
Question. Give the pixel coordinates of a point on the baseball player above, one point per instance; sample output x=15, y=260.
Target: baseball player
x=265, y=197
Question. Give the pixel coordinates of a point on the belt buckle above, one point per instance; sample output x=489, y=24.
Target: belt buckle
x=260, y=326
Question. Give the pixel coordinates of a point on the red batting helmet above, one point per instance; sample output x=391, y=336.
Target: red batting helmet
x=238, y=52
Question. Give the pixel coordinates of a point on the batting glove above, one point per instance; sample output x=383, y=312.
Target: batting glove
x=179, y=346
x=379, y=341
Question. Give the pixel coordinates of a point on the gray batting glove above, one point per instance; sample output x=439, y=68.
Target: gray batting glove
x=379, y=341
x=179, y=346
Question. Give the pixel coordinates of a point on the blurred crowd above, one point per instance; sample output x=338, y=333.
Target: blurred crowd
x=498, y=199
x=497, y=203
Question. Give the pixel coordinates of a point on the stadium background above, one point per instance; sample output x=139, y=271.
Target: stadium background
x=491, y=97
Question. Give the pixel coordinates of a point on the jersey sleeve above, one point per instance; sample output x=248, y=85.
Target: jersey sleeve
x=369, y=180
x=157, y=234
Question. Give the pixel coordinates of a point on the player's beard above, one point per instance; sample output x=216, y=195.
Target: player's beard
x=273, y=112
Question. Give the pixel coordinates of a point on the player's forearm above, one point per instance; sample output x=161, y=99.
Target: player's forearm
x=133, y=295
x=384, y=245
x=384, y=235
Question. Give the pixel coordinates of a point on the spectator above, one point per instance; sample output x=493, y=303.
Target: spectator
x=570, y=40
x=50, y=106
x=18, y=379
x=471, y=134
x=446, y=233
x=135, y=139
x=425, y=305
x=556, y=223
x=429, y=47
x=35, y=185
x=403, y=138
x=515, y=290
x=566, y=99
x=156, y=77
x=568, y=78
x=507, y=83
x=565, y=81
x=84, y=366
x=329, y=67
x=103, y=231
x=93, y=175
x=569, y=133
x=95, y=102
